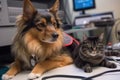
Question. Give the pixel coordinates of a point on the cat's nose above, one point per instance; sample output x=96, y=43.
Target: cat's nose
x=94, y=49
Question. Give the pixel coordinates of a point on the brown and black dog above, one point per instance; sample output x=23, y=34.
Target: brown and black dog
x=40, y=36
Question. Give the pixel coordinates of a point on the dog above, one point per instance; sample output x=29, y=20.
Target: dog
x=40, y=38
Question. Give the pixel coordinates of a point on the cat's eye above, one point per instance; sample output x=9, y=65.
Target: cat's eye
x=90, y=50
x=90, y=47
x=100, y=44
x=100, y=48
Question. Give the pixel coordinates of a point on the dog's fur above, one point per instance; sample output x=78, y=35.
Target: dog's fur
x=39, y=35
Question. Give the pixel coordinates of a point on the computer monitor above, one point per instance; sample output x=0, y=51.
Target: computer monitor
x=82, y=5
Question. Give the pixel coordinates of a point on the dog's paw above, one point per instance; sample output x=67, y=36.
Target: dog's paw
x=33, y=76
x=7, y=77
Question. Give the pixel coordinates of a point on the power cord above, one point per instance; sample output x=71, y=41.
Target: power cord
x=116, y=28
x=66, y=14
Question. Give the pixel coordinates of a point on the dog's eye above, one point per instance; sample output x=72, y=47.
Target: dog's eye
x=42, y=24
x=38, y=28
x=54, y=23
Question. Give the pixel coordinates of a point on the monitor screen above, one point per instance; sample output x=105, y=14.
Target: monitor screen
x=83, y=4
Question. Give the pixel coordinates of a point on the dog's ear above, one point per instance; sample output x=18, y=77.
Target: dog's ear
x=28, y=10
x=54, y=9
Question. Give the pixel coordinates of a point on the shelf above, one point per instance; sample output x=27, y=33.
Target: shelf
x=81, y=29
x=7, y=25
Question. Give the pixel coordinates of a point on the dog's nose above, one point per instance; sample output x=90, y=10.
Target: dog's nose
x=55, y=35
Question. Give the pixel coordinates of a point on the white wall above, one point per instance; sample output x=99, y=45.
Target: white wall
x=101, y=6
x=6, y=35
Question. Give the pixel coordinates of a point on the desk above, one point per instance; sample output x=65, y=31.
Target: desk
x=81, y=29
x=92, y=32
x=78, y=33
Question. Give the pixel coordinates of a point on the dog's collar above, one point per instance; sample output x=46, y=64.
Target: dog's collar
x=33, y=60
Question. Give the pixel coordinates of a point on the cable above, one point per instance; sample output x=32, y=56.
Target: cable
x=97, y=75
x=80, y=77
x=116, y=28
x=109, y=34
x=110, y=31
x=64, y=8
x=64, y=76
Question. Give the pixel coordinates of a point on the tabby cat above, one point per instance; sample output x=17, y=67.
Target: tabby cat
x=90, y=53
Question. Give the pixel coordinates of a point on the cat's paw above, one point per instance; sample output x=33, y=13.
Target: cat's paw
x=88, y=69
x=7, y=77
x=112, y=65
x=33, y=76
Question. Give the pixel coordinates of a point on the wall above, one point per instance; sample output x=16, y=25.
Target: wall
x=101, y=6
x=6, y=35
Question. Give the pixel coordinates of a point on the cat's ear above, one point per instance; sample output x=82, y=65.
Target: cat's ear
x=101, y=36
x=28, y=10
x=54, y=9
x=84, y=36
